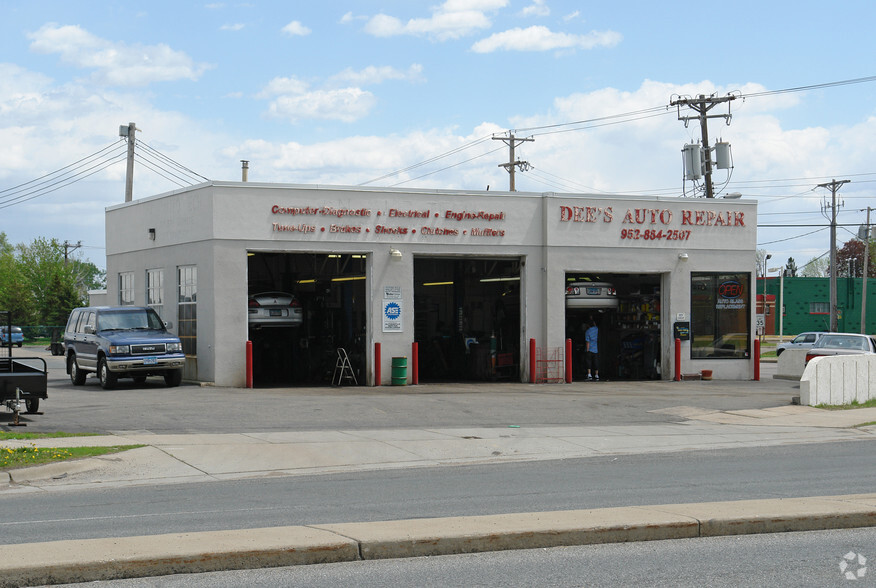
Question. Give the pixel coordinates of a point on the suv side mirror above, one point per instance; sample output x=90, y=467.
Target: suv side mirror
x=168, y=325
x=89, y=329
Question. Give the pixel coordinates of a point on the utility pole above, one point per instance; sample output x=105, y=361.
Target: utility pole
x=864, y=275
x=513, y=164
x=70, y=248
x=702, y=105
x=834, y=186
x=128, y=131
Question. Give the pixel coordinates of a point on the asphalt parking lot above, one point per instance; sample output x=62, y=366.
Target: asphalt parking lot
x=193, y=408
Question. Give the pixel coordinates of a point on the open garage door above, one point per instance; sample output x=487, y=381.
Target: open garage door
x=467, y=318
x=626, y=311
x=302, y=308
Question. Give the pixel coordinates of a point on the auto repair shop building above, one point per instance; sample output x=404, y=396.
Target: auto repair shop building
x=470, y=277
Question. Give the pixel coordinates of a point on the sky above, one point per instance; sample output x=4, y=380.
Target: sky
x=410, y=94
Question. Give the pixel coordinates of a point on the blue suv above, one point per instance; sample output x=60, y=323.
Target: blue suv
x=121, y=342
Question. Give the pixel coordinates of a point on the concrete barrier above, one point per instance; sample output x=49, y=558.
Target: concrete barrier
x=790, y=364
x=838, y=380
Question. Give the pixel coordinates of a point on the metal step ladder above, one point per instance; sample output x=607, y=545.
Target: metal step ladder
x=343, y=369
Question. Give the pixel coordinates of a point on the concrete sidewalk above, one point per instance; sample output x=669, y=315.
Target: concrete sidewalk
x=203, y=457
x=130, y=557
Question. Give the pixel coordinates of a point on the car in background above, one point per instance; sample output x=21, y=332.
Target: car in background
x=17, y=337
x=832, y=344
x=275, y=309
x=801, y=341
x=591, y=295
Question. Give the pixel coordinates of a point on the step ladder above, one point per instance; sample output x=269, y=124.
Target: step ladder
x=343, y=369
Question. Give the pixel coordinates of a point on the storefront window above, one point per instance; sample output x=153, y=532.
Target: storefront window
x=720, y=316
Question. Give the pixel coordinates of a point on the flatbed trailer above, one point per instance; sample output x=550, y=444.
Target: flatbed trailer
x=23, y=380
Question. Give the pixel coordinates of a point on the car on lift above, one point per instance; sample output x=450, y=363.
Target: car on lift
x=831, y=344
x=591, y=295
x=801, y=341
x=275, y=309
x=16, y=337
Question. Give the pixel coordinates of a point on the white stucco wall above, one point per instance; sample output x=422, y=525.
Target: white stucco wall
x=213, y=226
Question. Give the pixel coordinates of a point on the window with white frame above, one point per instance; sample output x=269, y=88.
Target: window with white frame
x=126, y=288
x=187, y=300
x=155, y=290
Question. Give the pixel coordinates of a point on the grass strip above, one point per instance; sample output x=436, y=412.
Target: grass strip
x=20, y=457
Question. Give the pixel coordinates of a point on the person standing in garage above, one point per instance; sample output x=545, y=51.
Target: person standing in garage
x=591, y=352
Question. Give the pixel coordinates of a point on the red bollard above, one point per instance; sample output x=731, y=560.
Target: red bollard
x=415, y=363
x=568, y=361
x=532, y=361
x=678, y=360
x=249, y=364
x=377, y=364
x=757, y=360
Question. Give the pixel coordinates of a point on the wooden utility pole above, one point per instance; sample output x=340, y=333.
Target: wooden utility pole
x=834, y=186
x=513, y=164
x=129, y=175
x=702, y=105
x=864, y=275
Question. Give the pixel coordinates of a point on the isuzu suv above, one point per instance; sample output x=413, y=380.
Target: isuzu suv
x=121, y=342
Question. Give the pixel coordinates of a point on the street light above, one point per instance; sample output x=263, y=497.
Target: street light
x=781, y=305
x=763, y=275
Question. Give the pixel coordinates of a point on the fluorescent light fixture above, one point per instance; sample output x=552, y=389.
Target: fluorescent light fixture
x=333, y=255
x=349, y=279
x=517, y=279
x=311, y=281
x=437, y=283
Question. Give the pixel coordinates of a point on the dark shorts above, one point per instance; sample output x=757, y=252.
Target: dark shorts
x=591, y=360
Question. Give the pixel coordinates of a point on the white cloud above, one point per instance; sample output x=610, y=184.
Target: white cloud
x=539, y=38
x=115, y=63
x=537, y=8
x=293, y=100
x=296, y=29
x=572, y=16
x=376, y=75
x=451, y=20
x=344, y=104
x=232, y=27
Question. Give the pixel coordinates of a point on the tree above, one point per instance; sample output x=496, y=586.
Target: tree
x=815, y=267
x=38, y=286
x=850, y=259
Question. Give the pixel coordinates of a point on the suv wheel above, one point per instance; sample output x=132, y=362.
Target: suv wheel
x=107, y=378
x=77, y=376
x=173, y=378
x=33, y=405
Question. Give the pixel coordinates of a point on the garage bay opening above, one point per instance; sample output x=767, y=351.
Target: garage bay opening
x=302, y=307
x=467, y=318
x=626, y=310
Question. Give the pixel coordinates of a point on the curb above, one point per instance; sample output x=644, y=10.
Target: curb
x=61, y=562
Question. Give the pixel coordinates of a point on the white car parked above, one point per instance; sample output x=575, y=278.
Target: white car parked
x=801, y=341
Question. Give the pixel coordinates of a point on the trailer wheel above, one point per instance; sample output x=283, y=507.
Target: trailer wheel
x=107, y=378
x=77, y=376
x=33, y=405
